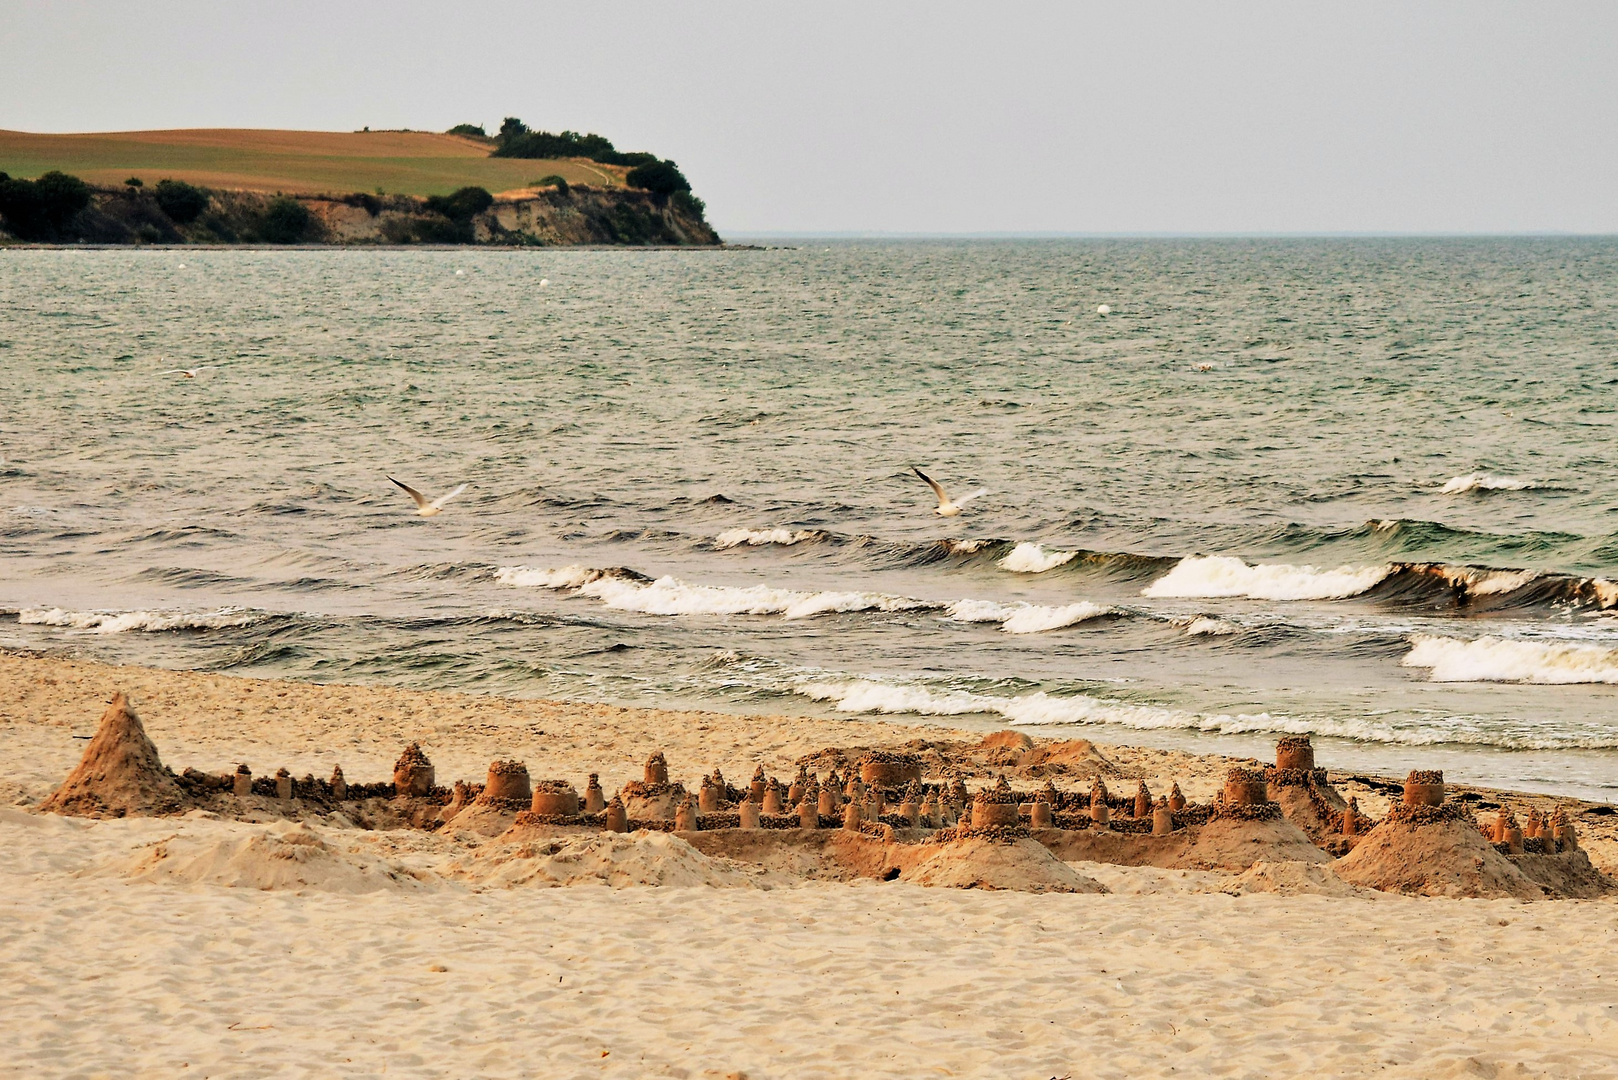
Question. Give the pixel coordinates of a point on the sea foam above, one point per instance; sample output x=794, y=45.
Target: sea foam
x=671, y=596
x=1458, y=485
x=759, y=537
x=1494, y=659
x=1031, y=558
x=1208, y=576
x=118, y=622
x=1025, y=618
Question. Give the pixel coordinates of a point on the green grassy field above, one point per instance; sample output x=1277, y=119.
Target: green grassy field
x=311, y=162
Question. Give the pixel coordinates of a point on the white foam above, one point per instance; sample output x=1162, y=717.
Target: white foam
x=1205, y=576
x=1031, y=558
x=1493, y=659
x=567, y=577
x=1207, y=625
x=758, y=537
x=117, y=622
x=1489, y=582
x=1025, y=618
x=1458, y=485
x=965, y=547
x=671, y=596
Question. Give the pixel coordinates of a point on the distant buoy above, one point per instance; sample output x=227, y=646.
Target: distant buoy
x=182, y=266
x=544, y=282
x=458, y=273
x=1103, y=310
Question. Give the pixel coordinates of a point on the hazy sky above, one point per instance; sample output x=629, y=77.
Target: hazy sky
x=937, y=117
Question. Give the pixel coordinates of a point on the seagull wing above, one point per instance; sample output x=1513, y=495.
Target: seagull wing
x=176, y=371
x=442, y=499
x=963, y=500
x=943, y=499
x=421, y=500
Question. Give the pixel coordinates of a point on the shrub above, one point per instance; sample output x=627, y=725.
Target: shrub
x=134, y=182
x=659, y=177
x=285, y=221
x=462, y=205
x=180, y=201
x=553, y=180
x=371, y=203
x=510, y=128
x=41, y=209
x=468, y=129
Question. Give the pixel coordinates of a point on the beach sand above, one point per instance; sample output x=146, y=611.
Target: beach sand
x=199, y=946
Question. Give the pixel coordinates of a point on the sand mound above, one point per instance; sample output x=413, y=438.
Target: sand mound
x=1308, y=814
x=615, y=859
x=480, y=819
x=1071, y=757
x=120, y=772
x=1020, y=866
x=283, y=856
x=1444, y=858
x=1229, y=843
x=1569, y=875
x=1292, y=879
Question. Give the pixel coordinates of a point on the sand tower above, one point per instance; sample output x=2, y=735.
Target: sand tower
x=617, y=820
x=412, y=773
x=241, y=782
x=595, y=800
x=507, y=782
x=888, y=769
x=555, y=798
x=657, y=769
x=339, y=785
x=995, y=806
x=119, y=774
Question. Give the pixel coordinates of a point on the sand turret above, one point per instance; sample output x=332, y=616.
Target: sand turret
x=685, y=817
x=1143, y=800
x=1176, y=799
x=995, y=806
x=1162, y=818
x=595, y=800
x=827, y=803
x=119, y=774
x=796, y=789
x=1100, y=812
x=708, y=796
x=1424, y=788
x=772, y=797
x=554, y=798
x=1245, y=787
x=241, y=783
x=412, y=774
x=851, y=815
x=1039, y=813
x=808, y=814
x=283, y=784
x=759, y=785
x=657, y=769
x=929, y=811
x=747, y=813
x=617, y=819
x=507, y=781
x=889, y=769
x=339, y=785
x=1295, y=752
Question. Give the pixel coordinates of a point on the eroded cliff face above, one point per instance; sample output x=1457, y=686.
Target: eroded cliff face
x=541, y=217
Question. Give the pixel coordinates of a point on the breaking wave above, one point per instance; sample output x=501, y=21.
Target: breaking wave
x=1040, y=709
x=118, y=622
x=1031, y=558
x=671, y=596
x=759, y=537
x=1494, y=659
x=1210, y=576
x=1025, y=618
x=1458, y=485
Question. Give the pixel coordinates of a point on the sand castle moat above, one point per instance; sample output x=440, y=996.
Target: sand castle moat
x=883, y=814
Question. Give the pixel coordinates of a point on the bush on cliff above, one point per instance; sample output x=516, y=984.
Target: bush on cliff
x=285, y=221
x=468, y=129
x=461, y=205
x=516, y=140
x=180, y=201
x=659, y=177
x=41, y=209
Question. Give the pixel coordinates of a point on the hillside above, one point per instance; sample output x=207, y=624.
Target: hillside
x=297, y=162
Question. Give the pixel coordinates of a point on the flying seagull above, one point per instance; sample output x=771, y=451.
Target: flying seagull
x=428, y=507
x=946, y=506
x=188, y=372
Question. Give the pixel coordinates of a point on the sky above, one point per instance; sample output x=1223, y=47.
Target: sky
x=918, y=118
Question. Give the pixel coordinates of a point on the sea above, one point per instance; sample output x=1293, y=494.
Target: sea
x=1361, y=489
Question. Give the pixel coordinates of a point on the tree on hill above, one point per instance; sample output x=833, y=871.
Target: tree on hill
x=468, y=129
x=285, y=221
x=659, y=177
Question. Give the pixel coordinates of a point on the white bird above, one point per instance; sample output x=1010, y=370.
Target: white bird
x=1103, y=310
x=188, y=372
x=428, y=507
x=947, y=507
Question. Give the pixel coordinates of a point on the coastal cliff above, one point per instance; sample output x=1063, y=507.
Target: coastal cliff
x=544, y=216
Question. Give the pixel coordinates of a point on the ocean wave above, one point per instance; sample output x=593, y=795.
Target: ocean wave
x=760, y=537
x=1039, y=709
x=1025, y=618
x=1494, y=659
x=1211, y=576
x=671, y=596
x=1460, y=485
x=118, y=622
x=1207, y=626
x=1032, y=558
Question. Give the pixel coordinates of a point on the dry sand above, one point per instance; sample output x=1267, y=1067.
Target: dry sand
x=195, y=946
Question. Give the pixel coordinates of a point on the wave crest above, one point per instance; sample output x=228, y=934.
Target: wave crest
x=118, y=622
x=1210, y=576
x=1031, y=558
x=1025, y=618
x=759, y=537
x=1460, y=485
x=1494, y=659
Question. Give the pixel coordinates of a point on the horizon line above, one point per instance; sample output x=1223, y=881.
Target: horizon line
x=876, y=234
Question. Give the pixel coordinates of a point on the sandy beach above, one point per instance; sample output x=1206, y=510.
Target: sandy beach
x=299, y=944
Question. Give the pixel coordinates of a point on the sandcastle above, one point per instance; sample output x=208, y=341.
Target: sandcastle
x=886, y=818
